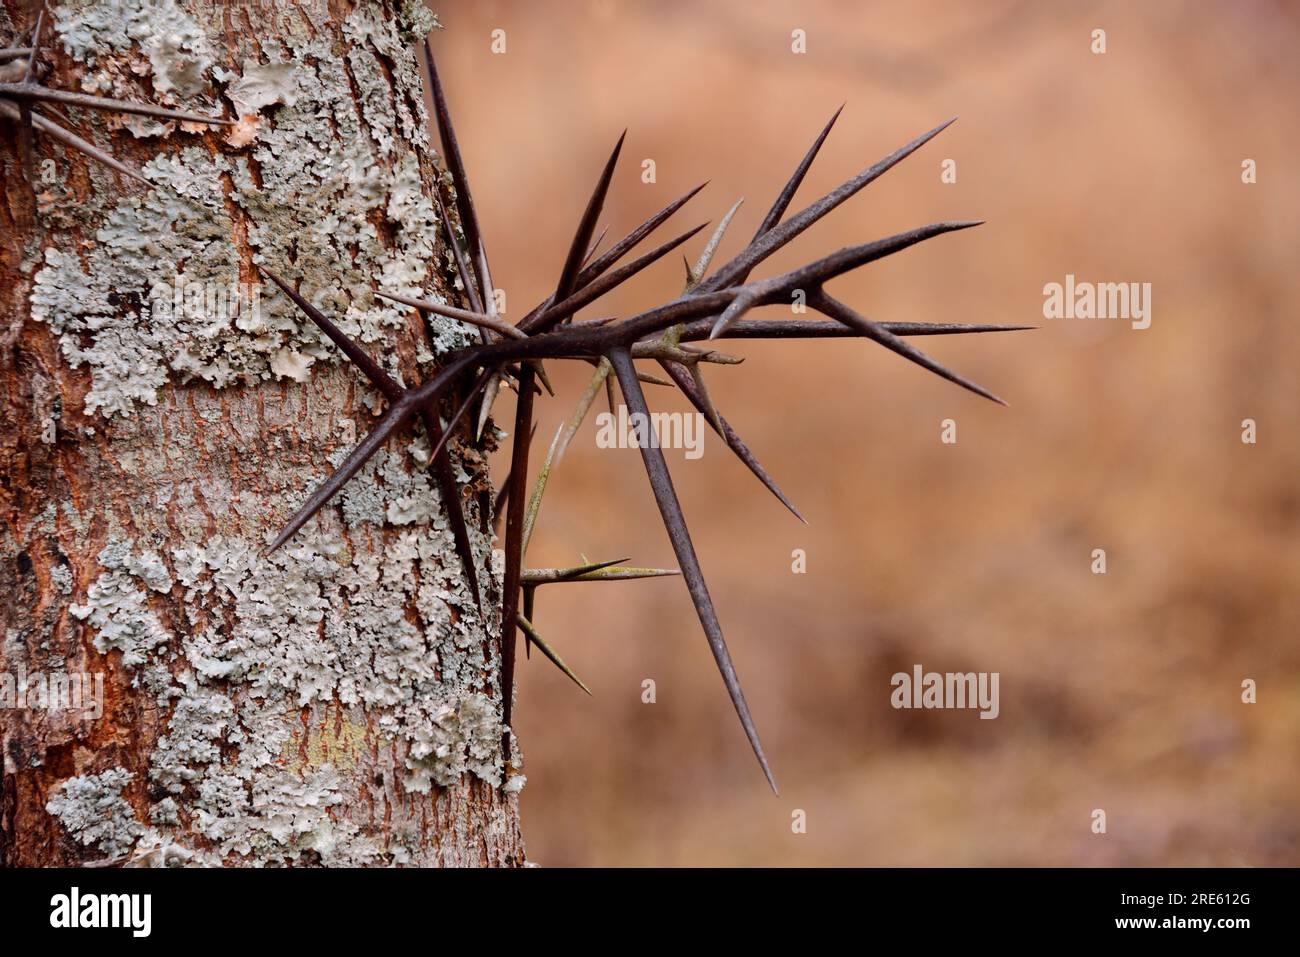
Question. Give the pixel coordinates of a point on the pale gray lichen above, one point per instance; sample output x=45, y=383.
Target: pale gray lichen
x=62, y=578
x=318, y=624
x=177, y=47
x=460, y=737
x=91, y=808
x=117, y=607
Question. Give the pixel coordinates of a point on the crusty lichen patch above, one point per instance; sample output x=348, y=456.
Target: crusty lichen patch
x=116, y=606
x=91, y=808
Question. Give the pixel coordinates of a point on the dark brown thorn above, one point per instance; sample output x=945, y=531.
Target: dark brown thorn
x=397, y=415
x=54, y=111
x=26, y=142
x=503, y=493
x=597, y=268
x=440, y=458
x=461, y=409
x=701, y=387
x=464, y=200
x=373, y=371
x=830, y=329
x=462, y=267
x=529, y=599
x=811, y=276
x=76, y=142
x=34, y=91
x=632, y=239
x=589, y=293
x=733, y=440
x=449, y=489
x=837, y=310
x=780, y=235
x=549, y=652
x=36, y=44
x=516, y=507
x=792, y=186
x=661, y=484
x=543, y=378
x=461, y=315
x=587, y=225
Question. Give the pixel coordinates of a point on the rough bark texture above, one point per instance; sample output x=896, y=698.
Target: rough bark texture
x=336, y=703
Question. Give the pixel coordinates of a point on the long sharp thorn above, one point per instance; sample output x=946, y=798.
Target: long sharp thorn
x=780, y=235
x=461, y=315
x=34, y=91
x=666, y=496
x=456, y=166
x=837, y=310
x=462, y=267
x=830, y=329
x=696, y=273
x=743, y=302
x=461, y=409
x=36, y=45
x=380, y=379
x=624, y=573
x=394, y=418
x=549, y=652
x=448, y=488
x=539, y=489
x=822, y=270
x=51, y=128
x=733, y=440
x=648, y=379
x=26, y=145
x=543, y=379
x=500, y=500
x=589, y=293
x=598, y=267
x=503, y=493
x=628, y=242
x=530, y=599
x=485, y=407
x=709, y=409
x=782, y=202
x=24, y=107
x=599, y=377
x=15, y=53
x=540, y=576
x=587, y=225
x=515, y=509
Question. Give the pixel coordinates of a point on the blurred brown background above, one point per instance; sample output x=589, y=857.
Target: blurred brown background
x=1120, y=691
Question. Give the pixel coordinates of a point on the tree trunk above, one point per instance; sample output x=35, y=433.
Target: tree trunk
x=336, y=702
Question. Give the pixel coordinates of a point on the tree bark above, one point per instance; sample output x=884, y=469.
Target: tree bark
x=337, y=702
